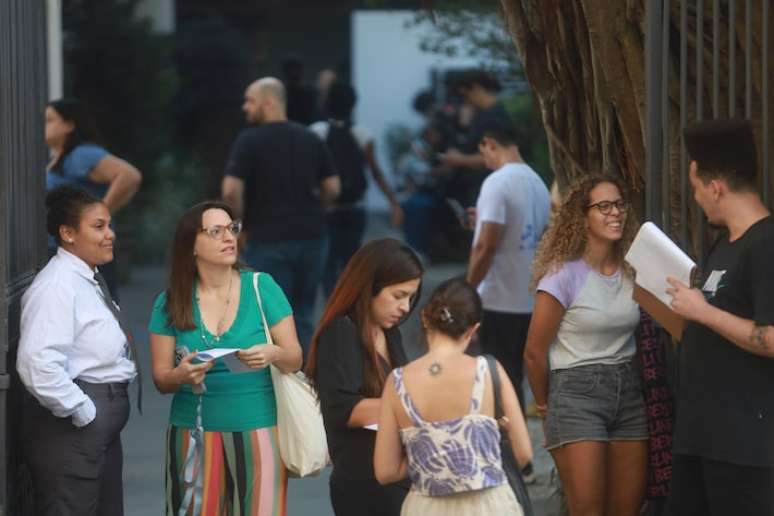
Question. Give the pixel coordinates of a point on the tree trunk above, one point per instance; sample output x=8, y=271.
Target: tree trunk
x=585, y=61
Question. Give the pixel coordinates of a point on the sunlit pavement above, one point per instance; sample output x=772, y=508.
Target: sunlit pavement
x=143, y=438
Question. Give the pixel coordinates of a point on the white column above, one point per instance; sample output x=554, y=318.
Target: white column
x=54, y=36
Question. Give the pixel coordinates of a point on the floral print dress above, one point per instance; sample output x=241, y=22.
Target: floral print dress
x=454, y=465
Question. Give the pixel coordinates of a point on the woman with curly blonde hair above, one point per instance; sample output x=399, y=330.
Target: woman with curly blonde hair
x=580, y=348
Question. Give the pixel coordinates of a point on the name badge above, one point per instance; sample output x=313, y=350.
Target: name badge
x=713, y=282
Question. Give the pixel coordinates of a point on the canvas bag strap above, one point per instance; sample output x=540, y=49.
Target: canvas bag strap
x=269, y=340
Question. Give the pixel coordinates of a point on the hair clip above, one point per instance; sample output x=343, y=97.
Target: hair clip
x=446, y=316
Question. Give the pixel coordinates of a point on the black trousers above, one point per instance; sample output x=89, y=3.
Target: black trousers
x=364, y=497
x=504, y=336
x=78, y=471
x=706, y=487
x=345, y=234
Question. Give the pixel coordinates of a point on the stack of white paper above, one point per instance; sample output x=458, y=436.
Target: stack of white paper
x=654, y=256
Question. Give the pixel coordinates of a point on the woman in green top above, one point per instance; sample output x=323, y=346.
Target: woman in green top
x=222, y=453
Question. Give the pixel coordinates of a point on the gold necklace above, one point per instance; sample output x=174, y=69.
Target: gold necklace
x=218, y=328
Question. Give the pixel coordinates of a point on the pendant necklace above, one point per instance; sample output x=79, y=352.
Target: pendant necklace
x=218, y=328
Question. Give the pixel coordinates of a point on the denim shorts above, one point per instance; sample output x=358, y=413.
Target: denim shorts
x=596, y=402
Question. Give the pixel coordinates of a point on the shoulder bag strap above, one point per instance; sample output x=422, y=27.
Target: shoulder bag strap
x=495, y=374
x=260, y=309
x=510, y=466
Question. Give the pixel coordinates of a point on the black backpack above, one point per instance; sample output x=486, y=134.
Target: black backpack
x=349, y=159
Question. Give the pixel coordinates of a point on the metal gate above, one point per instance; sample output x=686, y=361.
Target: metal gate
x=22, y=246
x=705, y=59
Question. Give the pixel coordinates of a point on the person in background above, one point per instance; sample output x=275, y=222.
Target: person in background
x=279, y=176
x=437, y=418
x=222, y=425
x=74, y=358
x=440, y=116
x=480, y=91
x=421, y=175
x=325, y=78
x=724, y=428
x=581, y=348
x=356, y=345
x=78, y=160
x=353, y=148
x=511, y=214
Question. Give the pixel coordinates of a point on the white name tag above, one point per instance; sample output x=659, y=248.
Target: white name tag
x=713, y=282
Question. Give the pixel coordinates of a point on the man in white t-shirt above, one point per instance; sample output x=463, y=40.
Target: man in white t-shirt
x=511, y=213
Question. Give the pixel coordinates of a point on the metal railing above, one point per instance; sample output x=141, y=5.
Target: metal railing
x=679, y=84
x=22, y=247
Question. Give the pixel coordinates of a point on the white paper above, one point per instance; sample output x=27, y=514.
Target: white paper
x=654, y=256
x=373, y=427
x=229, y=357
x=214, y=354
x=237, y=366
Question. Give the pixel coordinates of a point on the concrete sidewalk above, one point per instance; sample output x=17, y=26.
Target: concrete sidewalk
x=143, y=438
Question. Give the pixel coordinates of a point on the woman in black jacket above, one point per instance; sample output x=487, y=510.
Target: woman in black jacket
x=356, y=345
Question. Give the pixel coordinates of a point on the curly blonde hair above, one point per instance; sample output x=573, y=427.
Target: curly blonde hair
x=566, y=238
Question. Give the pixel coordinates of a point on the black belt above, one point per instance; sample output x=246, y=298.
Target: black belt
x=109, y=388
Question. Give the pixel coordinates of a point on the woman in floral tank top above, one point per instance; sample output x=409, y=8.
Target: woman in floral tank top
x=437, y=423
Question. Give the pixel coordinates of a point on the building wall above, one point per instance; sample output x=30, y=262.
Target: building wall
x=23, y=94
x=388, y=70
x=159, y=13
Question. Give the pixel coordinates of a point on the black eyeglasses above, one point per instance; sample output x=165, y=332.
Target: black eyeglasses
x=218, y=232
x=605, y=207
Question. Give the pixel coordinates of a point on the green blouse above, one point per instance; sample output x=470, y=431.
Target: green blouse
x=233, y=402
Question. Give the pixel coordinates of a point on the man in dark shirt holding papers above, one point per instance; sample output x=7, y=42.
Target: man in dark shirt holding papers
x=724, y=431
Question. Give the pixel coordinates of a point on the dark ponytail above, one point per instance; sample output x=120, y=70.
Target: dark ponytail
x=64, y=206
x=453, y=308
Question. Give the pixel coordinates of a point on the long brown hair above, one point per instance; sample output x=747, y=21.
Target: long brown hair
x=182, y=268
x=376, y=265
x=566, y=238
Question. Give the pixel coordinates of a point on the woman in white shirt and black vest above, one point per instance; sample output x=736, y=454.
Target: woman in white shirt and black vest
x=74, y=358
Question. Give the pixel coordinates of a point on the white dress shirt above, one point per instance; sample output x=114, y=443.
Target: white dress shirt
x=68, y=332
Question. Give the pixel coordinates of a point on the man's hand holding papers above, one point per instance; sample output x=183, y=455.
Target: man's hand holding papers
x=687, y=302
x=655, y=258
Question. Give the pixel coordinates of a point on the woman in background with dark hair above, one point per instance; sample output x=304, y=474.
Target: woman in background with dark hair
x=74, y=359
x=437, y=421
x=356, y=345
x=78, y=160
x=222, y=452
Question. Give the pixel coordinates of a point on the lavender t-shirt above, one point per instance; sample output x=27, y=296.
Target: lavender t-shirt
x=599, y=320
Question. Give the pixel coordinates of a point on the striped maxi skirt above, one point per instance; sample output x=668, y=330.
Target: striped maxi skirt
x=242, y=473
